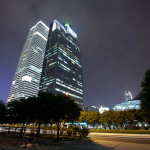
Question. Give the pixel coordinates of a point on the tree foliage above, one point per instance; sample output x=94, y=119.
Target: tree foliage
x=3, y=112
x=92, y=118
x=145, y=96
x=83, y=116
x=108, y=117
x=64, y=110
x=120, y=118
x=44, y=108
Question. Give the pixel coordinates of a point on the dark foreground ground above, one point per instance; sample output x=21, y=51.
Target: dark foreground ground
x=99, y=142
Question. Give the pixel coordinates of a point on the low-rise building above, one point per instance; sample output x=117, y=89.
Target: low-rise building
x=103, y=109
x=130, y=104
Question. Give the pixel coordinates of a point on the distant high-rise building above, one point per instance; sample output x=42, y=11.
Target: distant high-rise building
x=27, y=76
x=128, y=95
x=62, y=68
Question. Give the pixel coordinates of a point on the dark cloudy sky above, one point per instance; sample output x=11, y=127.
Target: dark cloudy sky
x=114, y=37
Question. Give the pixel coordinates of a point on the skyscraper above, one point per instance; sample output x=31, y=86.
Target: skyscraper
x=27, y=76
x=62, y=68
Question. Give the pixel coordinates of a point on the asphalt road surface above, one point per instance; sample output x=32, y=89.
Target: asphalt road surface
x=121, y=141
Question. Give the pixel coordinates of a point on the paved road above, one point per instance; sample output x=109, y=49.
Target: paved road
x=140, y=139
x=122, y=141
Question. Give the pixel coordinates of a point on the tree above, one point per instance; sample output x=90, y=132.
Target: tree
x=83, y=116
x=93, y=118
x=120, y=118
x=31, y=109
x=21, y=111
x=3, y=112
x=43, y=108
x=145, y=96
x=15, y=111
x=64, y=110
x=108, y=117
x=131, y=117
x=46, y=107
x=90, y=117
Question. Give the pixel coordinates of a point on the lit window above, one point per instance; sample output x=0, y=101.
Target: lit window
x=26, y=78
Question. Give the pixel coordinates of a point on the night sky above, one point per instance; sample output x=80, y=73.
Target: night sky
x=114, y=37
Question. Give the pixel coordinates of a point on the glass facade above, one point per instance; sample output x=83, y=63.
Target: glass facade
x=62, y=67
x=27, y=76
x=130, y=104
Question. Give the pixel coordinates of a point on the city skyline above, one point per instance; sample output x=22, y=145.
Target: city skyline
x=114, y=40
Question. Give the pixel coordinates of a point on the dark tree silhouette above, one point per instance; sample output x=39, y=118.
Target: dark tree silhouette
x=3, y=112
x=44, y=108
x=64, y=110
x=145, y=96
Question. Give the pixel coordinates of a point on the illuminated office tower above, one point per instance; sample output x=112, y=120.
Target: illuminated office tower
x=128, y=95
x=62, y=68
x=28, y=73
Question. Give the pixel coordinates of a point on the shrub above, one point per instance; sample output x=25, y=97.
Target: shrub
x=75, y=131
x=100, y=128
x=32, y=132
x=69, y=132
x=84, y=132
x=146, y=128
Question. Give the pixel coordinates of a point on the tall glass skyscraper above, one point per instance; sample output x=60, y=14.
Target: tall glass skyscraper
x=27, y=77
x=62, y=67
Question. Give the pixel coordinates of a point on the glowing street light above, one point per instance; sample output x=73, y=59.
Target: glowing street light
x=66, y=93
